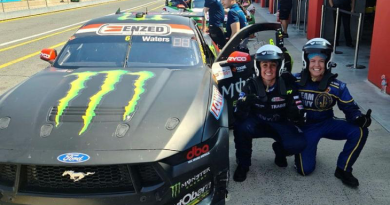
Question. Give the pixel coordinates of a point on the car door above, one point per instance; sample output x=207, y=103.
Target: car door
x=235, y=62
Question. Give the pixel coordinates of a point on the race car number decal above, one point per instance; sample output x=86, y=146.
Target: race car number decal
x=216, y=106
x=135, y=29
x=181, y=42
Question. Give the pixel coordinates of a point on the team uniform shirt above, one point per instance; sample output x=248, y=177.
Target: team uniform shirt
x=235, y=15
x=319, y=104
x=274, y=108
x=216, y=12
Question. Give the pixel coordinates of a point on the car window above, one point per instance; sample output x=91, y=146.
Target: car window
x=144, y=51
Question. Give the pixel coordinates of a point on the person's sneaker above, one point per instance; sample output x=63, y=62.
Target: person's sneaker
x=280, y=158
x=285, y=35
x=240, y=173
x=346, y=177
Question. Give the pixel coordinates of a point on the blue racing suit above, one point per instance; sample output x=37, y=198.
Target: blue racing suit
x=321, y=123
x=269, y=116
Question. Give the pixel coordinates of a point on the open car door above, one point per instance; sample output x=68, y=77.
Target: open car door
x=235, y=62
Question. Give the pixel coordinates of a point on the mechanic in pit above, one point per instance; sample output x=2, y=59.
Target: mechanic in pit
x=320, y=91
x=268, y=106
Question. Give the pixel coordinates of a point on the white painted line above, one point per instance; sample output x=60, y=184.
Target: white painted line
x=40, y=34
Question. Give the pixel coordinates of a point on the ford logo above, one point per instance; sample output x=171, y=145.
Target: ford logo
x=73, y=158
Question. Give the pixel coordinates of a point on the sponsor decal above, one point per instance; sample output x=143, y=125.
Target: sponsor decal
x=267, y=53
x=73, y=158
x=217, y=102
x=237, y=59
x=135, y=29
x=233, y=88
x=45, y=55
x=278, y=106
x=277, y=99
x=112, y=78
x=156, y=39
x=176, y=189
x=240, y=69
x=77, y=176
x=221, y=73
x=296, y=97
x=289, y=92
x=196, y=152
x=300, y=107
x=323, y=101
x=195, y=196
x=298, y=102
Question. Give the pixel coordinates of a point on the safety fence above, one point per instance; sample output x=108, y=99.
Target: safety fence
x=17, y=5
x=338, y=12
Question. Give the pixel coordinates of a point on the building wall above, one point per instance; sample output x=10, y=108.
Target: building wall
x=379, y=58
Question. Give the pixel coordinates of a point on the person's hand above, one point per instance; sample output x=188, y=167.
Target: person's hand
x=246, y=100
x=364, y=121
x=206, y=30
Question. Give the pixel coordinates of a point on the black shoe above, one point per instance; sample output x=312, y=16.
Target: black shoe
x=346, y=177
x=285, y=35
x=240, y=173
x=280, y=158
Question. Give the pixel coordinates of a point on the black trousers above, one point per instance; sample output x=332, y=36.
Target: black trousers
x=289, y=136
x=346, y=19
x=216, y=33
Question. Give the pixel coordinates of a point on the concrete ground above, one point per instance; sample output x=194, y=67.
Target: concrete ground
x=269, y=184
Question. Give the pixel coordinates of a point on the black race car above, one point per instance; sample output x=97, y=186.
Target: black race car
x=127, y=113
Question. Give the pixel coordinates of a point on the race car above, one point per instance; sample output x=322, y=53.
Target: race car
x=128, y=112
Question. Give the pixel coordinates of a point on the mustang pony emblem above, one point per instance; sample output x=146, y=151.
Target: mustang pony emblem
x=77, y=176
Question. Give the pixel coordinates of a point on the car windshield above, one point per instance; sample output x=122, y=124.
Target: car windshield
x=144, y=51
x=198, y=4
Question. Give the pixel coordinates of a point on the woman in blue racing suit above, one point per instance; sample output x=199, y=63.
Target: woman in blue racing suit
x=320, y=91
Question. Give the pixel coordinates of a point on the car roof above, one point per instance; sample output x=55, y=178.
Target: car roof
x=131, y=17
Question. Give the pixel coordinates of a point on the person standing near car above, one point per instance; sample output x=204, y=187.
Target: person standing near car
x=348, y=5
x=320, y=91
x=285, y=7
x=236, y=18
x=268, y=106
x=216, y=15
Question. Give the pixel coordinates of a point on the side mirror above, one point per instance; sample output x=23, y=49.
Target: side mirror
x=48, y=54
x=239, y=57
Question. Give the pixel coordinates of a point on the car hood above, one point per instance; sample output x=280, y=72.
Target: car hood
x=110, y=110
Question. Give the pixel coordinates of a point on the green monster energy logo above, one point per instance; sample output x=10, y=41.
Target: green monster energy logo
x=112, y=78
x=126, y=16
x=176, y=189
